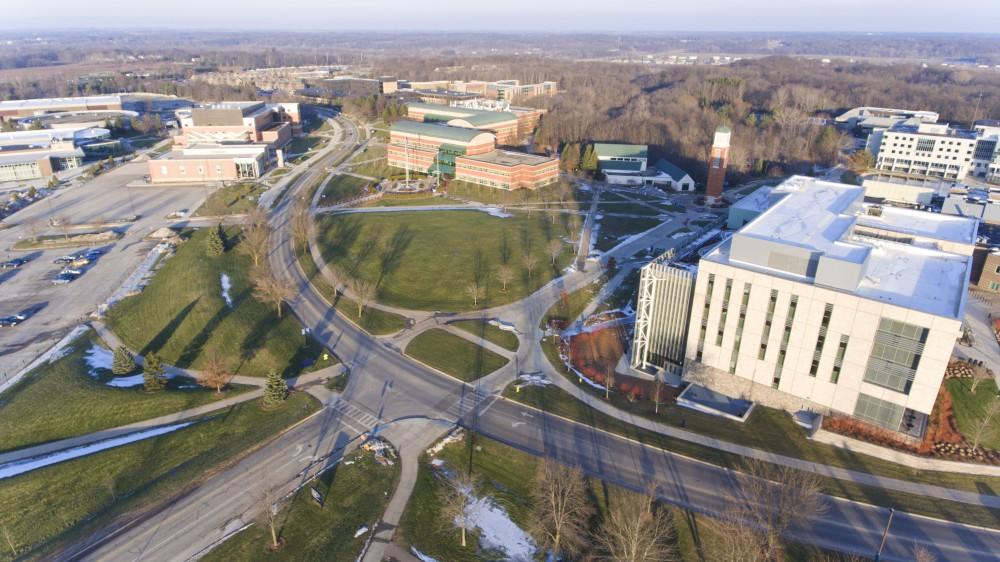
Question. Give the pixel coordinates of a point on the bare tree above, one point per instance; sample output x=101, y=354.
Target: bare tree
x=530, y=261
x=256, y=235
x=268, y=288
x=215, y=373
x=301, y=222
x=554, y=248
x=65, y=225
x=985, y=422
x=455, y=501
x=269, y=498
x=505, y=274
x=921, y=554
x=363, y=292
x=772, y=498
x=732, y=541
x=475, y=291
x=635, y=529
x=657, y=390
x=561, y=508
x=609, y=380
x=979, y=374
x=10, y=541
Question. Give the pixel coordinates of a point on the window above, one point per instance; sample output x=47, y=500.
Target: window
x=895, y=355
x=821, y=339
x=997, y=269
x=838, y=361
x=724, y=313
x=783, y=349
x=704, y=316
x=739, y=328
x=767, y=324
x=163, y=170
x=878, y=412
x=994, y=286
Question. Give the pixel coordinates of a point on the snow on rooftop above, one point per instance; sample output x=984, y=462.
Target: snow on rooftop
x=756, y=201
x=921, y=223
x=927, y=280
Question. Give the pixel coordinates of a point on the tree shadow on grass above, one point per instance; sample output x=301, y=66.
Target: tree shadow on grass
x=392, y=256
x=167, y=332
x=195, y=347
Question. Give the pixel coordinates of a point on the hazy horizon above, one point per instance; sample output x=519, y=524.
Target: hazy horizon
x=514, y=16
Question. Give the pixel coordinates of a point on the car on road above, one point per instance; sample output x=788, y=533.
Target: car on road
x=11, y=321
x=14, y=263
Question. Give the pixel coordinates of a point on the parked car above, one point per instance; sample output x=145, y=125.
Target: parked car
x=79, y=262
x=71, y=271
x=64, y=278
x=11, y=321
x=93, y=253
x=14, y=263
x=64, y=259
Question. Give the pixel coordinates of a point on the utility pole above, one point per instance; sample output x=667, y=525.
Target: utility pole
x=885, y=534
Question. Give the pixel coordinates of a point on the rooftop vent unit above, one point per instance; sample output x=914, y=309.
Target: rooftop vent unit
x=875, y=211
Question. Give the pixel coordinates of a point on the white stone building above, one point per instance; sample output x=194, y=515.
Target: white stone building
x=823, y=302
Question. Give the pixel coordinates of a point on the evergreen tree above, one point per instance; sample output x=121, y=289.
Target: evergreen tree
x=589, y=161
x=122, y=362
x=215, y=241
x=275, y=389
x=152, y=373
x=570, y=157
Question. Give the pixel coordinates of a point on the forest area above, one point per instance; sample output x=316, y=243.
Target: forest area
x=774, y=105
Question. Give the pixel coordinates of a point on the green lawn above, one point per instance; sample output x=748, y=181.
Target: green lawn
x=84, y=404
x=231, y=200
x=342, y=188
x=614, y=229
x=304, y=144
x=391, y=201
x=505, y=473
x=454, y=355
x=559, y=194
x=355, y=494
x=49, y=507
x=568, y=308
x=773, y=430
x=182, y=316
x=426, y=260
x=503, y=338
x=969, y=409
x=372, y=162
x=372, y=320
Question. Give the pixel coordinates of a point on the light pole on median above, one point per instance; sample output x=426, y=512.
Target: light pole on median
x=885, y=534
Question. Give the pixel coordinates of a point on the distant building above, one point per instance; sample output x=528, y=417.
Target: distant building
x=929, y=150
x=138, y=102
x=624, y=160
x=467, y=155
x=510, y=90
x=240, y=122
x=203, y=163
x=871, y=118
x=669, y=175
x=718, y=160
x=432, y=147
x=503, y=124
x=989, y=277
x=825, y=303
x=507, y=170
x=27, y=155
x=975, y=203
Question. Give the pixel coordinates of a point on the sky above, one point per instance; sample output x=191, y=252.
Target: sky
x=967, y=16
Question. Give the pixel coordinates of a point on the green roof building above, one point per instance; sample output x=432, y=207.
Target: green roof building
x=612, y=158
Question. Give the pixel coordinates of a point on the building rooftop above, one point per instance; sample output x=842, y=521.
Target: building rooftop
x=757, y=201
x=446, y=132
x=22, y=157
x=473, y=117
x=43, y=103
x=508, y=158
x=670, y=169
x=807, y=235
x=885, y=112
x=610, y=150
x=199, y=151
x=933, y=130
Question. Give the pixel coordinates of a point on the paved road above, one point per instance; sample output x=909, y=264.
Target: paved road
x=387, y=387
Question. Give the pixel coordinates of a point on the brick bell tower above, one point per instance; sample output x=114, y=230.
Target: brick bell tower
x=717, y=162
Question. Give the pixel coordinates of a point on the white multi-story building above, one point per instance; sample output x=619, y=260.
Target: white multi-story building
x=928, y=149
x=823, y=302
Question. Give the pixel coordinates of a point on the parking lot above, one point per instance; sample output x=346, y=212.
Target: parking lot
x=55, y=309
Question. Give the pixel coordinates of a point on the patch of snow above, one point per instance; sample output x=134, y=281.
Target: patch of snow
x=505, y=326
x=421, y=556
x=496, y=212
x=527, y=379
x=498, y=531
x=454, y=436
x=98, y=357
x=27, y=465
x=125, y=382
x=361, y=530
x=226, y=285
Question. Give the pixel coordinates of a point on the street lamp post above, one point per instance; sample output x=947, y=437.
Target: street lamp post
x=885, y=534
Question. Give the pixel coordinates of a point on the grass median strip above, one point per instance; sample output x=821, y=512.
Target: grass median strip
x=48, y=508
x=355, y=493
x=488, y=332
x=454, y=355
